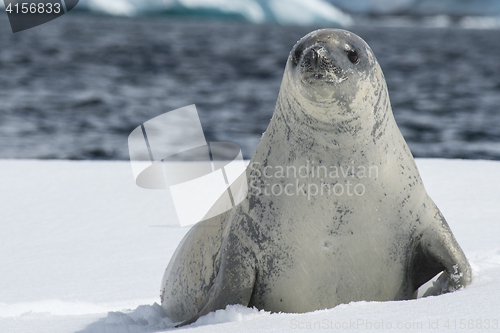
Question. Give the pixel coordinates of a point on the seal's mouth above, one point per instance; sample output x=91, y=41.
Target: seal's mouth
x=317, y=66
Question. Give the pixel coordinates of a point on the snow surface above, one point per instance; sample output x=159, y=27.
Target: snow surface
x=78, y=254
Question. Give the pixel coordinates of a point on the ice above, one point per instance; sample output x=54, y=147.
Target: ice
x=421, y=7
x=300, y=12
x=78, y=254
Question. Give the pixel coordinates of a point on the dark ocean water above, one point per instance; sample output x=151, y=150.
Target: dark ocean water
x=76, y=87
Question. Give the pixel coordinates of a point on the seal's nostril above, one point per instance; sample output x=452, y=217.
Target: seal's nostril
x=316, y=56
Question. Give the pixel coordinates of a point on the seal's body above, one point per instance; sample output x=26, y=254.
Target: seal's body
x=336, y=210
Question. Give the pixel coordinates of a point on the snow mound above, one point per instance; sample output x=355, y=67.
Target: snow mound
x=146, y=318
x=232, y=313
x=151, y=318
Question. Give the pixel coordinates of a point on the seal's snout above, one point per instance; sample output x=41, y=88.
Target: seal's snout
x=315, y=54
x=317, y=65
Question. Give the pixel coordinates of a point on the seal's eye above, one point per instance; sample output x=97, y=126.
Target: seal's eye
x=353, y=56
x=297, y=53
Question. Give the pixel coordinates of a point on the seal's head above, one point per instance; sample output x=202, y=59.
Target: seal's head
x=331, y=67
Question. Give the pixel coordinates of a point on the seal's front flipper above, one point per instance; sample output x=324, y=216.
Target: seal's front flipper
x=439, y=286
x=437, y=250
x=234, y=283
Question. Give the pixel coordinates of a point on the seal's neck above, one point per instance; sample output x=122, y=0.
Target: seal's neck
x=367, y=133
x=332, y=124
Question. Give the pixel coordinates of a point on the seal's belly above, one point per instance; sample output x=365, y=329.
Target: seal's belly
x=324, y=275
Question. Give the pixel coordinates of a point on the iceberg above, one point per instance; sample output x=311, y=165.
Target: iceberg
x=374, y=7
x=421, y=7
x=286, y=12
x=457, y=7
